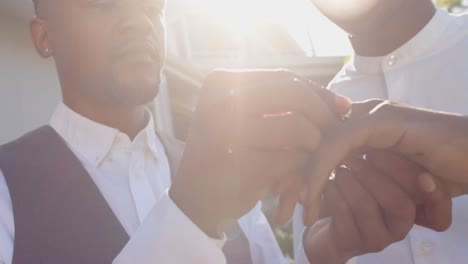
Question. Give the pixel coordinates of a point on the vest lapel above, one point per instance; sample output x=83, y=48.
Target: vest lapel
x=60, y=215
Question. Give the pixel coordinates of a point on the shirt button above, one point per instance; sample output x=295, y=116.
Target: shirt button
x=391, y=60
x=138, y=176
x=148, y=155
x=426, y=249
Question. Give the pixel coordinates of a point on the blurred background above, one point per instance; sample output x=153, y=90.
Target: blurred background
x=202, y=35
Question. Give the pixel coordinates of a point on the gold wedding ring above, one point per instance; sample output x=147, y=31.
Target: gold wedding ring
x=230, y=149
x=347, y=116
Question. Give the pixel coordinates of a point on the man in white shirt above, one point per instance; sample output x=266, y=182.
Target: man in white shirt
x=410, y=52
x=93, y=185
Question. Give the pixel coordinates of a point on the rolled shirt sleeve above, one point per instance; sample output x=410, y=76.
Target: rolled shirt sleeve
x=169, y=236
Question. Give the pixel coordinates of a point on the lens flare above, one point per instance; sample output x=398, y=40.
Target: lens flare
x=311, y=31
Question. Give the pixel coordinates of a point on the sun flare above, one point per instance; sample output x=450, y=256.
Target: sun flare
x=311, y=31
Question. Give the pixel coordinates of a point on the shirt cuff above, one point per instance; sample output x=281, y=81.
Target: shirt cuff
x=169, y=236
x=301, y=257
x=219, y=242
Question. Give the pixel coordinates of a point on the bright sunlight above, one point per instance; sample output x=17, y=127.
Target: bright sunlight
x=311, y=31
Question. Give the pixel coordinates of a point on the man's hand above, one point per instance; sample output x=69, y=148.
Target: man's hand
x=250, y=131
x=363, y=211
x=373, y=203
x=436, y=141
x=432, y=196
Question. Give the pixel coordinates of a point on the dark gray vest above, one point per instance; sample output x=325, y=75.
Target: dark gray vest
x=60, y=216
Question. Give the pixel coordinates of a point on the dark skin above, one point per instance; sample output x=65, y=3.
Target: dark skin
x=433, y=140
x=383, y=26
x=108, y=54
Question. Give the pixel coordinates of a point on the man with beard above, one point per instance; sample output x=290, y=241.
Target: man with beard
x=98, y=184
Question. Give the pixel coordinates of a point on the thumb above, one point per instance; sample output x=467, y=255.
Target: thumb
x=339, y=104
x=365, y=107
x=318, y=242
x=436, y=211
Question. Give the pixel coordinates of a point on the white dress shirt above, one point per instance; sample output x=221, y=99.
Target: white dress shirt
x=133, y=177
x=431, y=71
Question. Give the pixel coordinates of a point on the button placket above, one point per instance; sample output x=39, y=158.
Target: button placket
x=395, y=80
x=391, y=60
x=142, y=193
x=139, y=169
x=423, y=244
x=426, y=248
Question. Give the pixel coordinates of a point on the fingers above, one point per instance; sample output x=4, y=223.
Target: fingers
x=434, y=197
x=288, y=188
x=365, y=210
x=293, y=112
x=401, y=170
x=339, y=104
x=336, y=238
x=287, y=201
x=289, y=131
x=319, y=244
x=345, y=231
x=398, y=209
x=371, y=131
x=342, y=104
x=333, y=149
x=287, y=95
x=436, y=210
x=262, y=92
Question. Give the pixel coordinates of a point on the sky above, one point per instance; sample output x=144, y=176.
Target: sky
x=314, y=33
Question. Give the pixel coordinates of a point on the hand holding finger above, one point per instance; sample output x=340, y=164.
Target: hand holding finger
x=432, y=195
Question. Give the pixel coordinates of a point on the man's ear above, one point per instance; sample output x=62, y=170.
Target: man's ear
x=40, y=37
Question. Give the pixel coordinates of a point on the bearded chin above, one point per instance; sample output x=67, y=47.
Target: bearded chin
x=132, y=93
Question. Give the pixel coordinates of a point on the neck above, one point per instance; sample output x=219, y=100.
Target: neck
x=396, y=31
x=129, y=120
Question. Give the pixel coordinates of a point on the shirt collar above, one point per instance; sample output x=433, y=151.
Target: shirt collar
x=419, y=45
x=429, y=36
x=93, y=141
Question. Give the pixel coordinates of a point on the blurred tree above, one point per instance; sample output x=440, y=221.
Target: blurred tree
x=451, y=5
